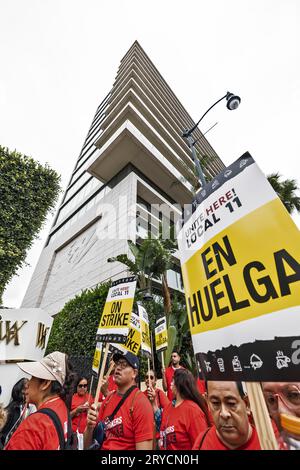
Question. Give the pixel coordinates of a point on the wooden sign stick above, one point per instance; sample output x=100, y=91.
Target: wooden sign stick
x=112, y=365
x=162, y=360
x=92, y=380
x=101, y=373
x=261, y=416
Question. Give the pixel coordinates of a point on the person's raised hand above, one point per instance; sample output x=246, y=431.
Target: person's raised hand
x=92, y=415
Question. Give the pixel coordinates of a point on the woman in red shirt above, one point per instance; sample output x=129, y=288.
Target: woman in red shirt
x=80, y=404
x=50, y=386
x=157, y=397
x=184, y=419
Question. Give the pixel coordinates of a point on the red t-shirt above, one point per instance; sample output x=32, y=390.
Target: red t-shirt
x=181, y=425
x=111, y=387
x=169, y=373
x=212, y=442
x=127, y=428
x=37, y=431
x=79, y=421
x=201, y=386
x=161, y=398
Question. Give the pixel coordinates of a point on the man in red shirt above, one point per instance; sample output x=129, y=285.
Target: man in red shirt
x=230, y=411
x=168, y=373
x=132, y=427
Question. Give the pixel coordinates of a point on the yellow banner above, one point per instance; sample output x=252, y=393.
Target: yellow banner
x=161, y=335
x=116, y=314
x=133, y=341
x=146, y=336
x=97, y=358
x=247, y=270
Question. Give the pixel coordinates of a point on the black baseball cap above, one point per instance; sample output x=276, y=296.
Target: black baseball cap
x=129, y=357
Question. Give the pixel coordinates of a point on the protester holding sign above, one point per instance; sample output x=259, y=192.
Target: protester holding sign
x=81, y=402
x=186, y=418
x=132, y=425
x=109, y=383
x=50, y=388
x=168, y=373
x=157, y=398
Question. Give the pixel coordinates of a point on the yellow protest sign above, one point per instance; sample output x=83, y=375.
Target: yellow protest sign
x=97, y=358
x=115, y=318
x=145, y=331
x=161, y=335
x=133, y=339
x=240, y=255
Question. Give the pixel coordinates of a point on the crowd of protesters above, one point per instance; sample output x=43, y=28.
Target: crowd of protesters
x=192, y=415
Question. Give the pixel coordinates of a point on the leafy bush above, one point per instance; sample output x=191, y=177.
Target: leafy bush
x=75, y=326
x=28, y=190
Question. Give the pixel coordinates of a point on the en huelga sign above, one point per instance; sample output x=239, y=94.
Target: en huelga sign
x=240, y=258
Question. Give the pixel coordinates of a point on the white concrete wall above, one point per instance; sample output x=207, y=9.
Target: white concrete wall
x=77, y=259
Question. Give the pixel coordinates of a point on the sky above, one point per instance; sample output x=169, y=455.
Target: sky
x=59, y=59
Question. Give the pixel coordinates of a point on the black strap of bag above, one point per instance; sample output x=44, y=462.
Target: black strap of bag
x=203, y=437
x=96, y=444
x=126, y=394
x=59, y=429
x=56, y=421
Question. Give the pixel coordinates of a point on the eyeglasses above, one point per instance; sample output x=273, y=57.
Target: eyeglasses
x=82, y=385
x=122, y=364
x=151, y=377
x=290, y=396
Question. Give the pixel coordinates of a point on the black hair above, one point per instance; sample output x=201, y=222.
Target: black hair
x=185, y=383
x=79, y=379
x=17, y=393
x=13, y=409
x=176, y=351
x=240, y=389
x=239, y=386
x=154, y=373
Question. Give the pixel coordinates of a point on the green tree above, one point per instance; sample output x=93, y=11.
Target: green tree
x=286, y=191
x=153, y=257
x=28, y=191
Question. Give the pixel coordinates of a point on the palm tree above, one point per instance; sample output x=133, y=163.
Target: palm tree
x=286, y=191
x=152, y=260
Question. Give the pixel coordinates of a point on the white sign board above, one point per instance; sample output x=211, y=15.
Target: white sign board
x=24, y=334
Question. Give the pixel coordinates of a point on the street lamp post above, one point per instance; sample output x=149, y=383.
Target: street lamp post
x=233, y=102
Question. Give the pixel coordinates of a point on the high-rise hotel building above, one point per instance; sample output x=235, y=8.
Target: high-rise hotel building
x=134, y=156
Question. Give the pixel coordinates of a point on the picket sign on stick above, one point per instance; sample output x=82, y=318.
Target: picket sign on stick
x=148, y=367
x=152, y=352
x=91, y=385
x=101, y=373
x=112, y=365
x=261, y=416
x=162, y=360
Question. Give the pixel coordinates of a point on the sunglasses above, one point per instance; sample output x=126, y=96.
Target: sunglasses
x=151, y=377
x=289, y=396
x=82, y=385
